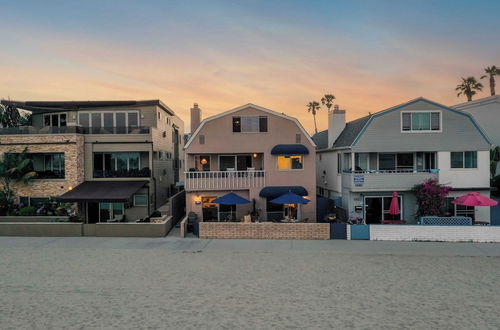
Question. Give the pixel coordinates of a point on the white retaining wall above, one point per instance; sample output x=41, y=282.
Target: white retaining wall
x=435, y=233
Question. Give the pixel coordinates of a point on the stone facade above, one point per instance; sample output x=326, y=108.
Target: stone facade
x=265, y=230
x=70, y=144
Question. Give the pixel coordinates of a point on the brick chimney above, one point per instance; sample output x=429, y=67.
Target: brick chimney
x=336, y=124
x=195, y=117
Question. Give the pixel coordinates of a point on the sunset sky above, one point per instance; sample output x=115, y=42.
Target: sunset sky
x=278, y=54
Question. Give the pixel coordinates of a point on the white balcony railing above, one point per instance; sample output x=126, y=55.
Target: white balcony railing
x=386, y=180
x=224, y=180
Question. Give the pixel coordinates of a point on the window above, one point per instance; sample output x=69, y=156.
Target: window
x=235, y=162
x=464, y=159
x=110, y=211
x=451, y=210
x=250, y=124
x=117, y=121
x=387, y=162
x=290, y=162
x=361, y=161
x=33, y=201
x=395, y=162
x=55, y=119
x=141, y=200
x=426, y=161
x=420, y=121
x=118, y=164
x=202, y=162
x=48, y=166
x=347, y=161
x=339, y=163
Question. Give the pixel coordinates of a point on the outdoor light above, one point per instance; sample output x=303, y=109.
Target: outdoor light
x=69, y=188
x=197, y=199
x=254, y=155
x=203, y=161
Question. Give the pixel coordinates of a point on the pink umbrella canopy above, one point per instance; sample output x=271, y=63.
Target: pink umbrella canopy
x=474, y=199
x=394, y=208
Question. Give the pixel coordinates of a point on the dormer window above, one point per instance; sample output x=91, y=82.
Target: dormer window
x=249, y=124
x=421, y=121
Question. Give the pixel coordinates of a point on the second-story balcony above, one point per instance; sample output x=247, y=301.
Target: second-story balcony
x=224, y=180
x=385, y=180
x=33, y=130
x=132, y=173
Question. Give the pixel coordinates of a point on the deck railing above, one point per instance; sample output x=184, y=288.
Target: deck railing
x=223, y=180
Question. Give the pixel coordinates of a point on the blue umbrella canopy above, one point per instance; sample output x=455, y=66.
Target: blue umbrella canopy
x=231, y=199
x=290, y=198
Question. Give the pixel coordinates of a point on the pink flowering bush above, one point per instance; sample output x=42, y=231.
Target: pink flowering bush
x=430, y=198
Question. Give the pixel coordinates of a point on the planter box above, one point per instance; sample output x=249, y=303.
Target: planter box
x=360, y=232
x=51, y=218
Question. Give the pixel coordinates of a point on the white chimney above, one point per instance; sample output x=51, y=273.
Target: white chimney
x=195, y=117
x=336, y=124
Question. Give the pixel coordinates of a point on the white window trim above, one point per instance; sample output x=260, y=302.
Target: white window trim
x=419, y=131
x=141, y=205
x=463, y=162
x=114, y=117
x=59, y=120
x=291, y=169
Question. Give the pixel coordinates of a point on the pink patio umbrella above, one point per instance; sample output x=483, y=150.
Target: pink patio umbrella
x=474, y=199
x=394, y=208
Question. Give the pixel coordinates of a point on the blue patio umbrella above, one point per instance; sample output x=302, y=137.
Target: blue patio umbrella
x=290, y=198
x=231, y=199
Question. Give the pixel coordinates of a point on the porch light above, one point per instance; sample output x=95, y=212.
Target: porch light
x=197, y=199
x=254, y=155
x=203, y=161
x=70, y=187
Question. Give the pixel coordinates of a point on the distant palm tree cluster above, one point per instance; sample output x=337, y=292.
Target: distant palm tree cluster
x=314, y=106
x=470, y=86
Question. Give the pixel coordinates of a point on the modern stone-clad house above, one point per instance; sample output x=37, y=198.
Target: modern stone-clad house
x=258, y=154
x=119, y=160
x=364, y=161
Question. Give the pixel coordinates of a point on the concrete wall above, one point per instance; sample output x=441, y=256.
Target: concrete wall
x=124, y=229
x=40, y=229
x=296, y=231
x=435, y=233
x=465, y=177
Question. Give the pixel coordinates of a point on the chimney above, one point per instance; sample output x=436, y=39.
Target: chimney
x=195, y=117
x=336, y=124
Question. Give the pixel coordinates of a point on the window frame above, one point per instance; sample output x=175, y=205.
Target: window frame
x=89, y=113
x=238, y=128
x=430, y=112
x=290, y=169
x=463, y=167
x=50, y=114
x=141, y=195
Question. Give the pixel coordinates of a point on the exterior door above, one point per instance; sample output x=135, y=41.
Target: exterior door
x=373, y=209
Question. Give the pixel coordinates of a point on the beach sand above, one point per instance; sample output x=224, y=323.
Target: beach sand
x=251, y=288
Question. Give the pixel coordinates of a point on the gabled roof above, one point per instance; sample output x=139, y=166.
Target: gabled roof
x=248, y=105
x=355, y=129
x=54, y=106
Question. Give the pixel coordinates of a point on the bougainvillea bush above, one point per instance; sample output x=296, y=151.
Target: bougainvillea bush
x=431, y=198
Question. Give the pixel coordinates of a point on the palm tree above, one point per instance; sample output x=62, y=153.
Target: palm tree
x=491, y=71
x=312, y=107
x=494, y=160
x=14, y=168
x=469, y=87
x=327, y=100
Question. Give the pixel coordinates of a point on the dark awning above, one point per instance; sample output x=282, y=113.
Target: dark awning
x=275, y=191
x=103, y=191
x=289, y=149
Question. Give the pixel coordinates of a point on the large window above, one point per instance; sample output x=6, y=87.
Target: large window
x=421, y=121
x=452, y=210
x=141, y=200
x=55, y=119
x=33, y=201
x=235, y=162
x=202, y=162
x=290, y=162
x=250, y=124
x=109, y=122
x=395, y=162
x=119, y=164
x=361, y=161
x=111, y=211
x=48, y=165
x=464, y=159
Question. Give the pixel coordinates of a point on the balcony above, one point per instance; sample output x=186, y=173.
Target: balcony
x=142, y=173
x=32, y=130
x=224, y=180
x=396, y=180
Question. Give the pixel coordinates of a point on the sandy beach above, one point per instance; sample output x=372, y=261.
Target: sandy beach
x=89, y=283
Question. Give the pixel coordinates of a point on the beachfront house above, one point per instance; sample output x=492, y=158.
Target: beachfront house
x=362, y=162
x=486, y=112
x=256, y=153
x=118, y=160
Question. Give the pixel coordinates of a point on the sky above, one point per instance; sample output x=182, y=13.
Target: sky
x=222, y=54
